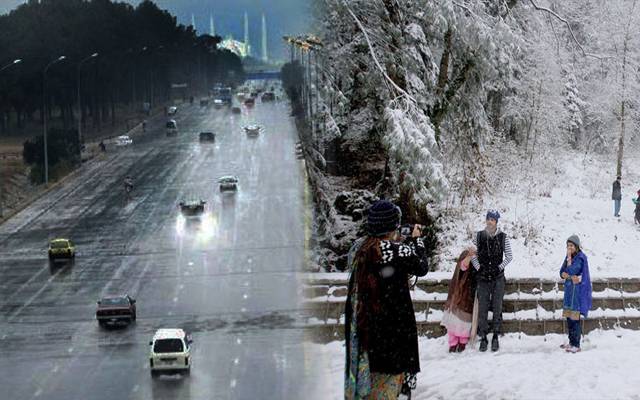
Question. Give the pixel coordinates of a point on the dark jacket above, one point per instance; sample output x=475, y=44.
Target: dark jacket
x=490, y=255
x=616, y=194
x=393, y=336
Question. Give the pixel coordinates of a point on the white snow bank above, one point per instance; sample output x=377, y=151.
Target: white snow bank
x=579, y=202
x=525, y=368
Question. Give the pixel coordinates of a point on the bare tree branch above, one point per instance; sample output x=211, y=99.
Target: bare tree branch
x=573, y=36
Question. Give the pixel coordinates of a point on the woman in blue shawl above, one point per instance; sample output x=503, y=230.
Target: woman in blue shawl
x=577, y=291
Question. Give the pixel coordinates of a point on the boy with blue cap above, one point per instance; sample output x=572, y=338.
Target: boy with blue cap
x=494, y=254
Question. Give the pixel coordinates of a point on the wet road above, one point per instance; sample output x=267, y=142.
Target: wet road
x=232, y=283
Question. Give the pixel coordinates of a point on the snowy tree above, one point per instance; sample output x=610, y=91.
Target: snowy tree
x=574, y=104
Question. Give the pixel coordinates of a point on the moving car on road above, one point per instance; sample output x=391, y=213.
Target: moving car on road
x=61, y=250
x=173, y=110
x=236, y=110
x=192, y=208
x=170, y=352
x=207, y=137
x=228, y=183
x=250, y=102
x=123, y=140
x=204, y=102
x=268, y=96
x=252, y=130
x=172, y=127
x=115, y=310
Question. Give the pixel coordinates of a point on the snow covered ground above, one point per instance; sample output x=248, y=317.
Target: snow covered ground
x=542, y=206
x=525, y=368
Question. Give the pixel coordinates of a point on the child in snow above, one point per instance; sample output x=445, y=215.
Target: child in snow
x=458, y=310
x=577, y=291
x=636, y=201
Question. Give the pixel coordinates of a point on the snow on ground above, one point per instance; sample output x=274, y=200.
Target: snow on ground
x=525, y=368
x=572, y=196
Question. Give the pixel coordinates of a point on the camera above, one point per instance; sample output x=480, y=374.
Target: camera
x=406, y=230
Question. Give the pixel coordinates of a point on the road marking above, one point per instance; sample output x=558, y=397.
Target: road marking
x=37, y=393
x=175, y=299
x=239, y=341
x=245, y=296
x=233, y=383
x=32, y=298
x=236, y=361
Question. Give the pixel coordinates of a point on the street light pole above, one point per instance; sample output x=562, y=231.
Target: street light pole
x=94, y=55
x=14, y=62
x=44, y=116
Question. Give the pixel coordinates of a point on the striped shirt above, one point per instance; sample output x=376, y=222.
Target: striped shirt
x=508, y=253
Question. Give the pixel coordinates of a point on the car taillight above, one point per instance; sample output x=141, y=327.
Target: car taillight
x=151, y=362
x=186, y=360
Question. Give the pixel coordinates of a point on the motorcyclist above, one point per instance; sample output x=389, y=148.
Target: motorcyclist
x=128, y=185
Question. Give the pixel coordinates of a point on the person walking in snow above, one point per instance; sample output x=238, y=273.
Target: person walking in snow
x=494, y=254
x=577, y=291
x=636, y=214
x=616, y=196
x=380, y=326
x=458, y=309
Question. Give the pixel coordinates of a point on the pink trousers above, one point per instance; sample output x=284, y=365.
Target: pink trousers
x=454, y=339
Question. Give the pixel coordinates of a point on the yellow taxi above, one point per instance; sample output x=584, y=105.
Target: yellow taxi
x=61, y=249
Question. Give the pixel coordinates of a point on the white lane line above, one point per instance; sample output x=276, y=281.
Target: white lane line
x=245, y=296
x=37, y=393
x=35, y=296
x=233, y=383
x=236, y=361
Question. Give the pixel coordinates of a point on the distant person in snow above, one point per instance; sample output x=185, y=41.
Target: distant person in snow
x=380, y=326
x=616, y=196
x=494, y=254
x=577, y=291
x=458, y=309
x=636, y=214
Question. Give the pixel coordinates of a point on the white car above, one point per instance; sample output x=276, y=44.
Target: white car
x=172, y=127
x=173, y=110
x=252, y=130
x=170, y=352
x=123, y=140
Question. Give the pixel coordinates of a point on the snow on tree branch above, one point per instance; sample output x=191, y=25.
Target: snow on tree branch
x=573, y=36
x=373, y=55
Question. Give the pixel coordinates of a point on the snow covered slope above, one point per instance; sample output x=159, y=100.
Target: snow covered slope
x=542, y=206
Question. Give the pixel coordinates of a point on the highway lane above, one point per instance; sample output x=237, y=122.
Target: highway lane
x=233, y=285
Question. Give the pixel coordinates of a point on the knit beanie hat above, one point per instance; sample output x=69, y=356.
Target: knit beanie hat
x=575, y=240
x=493, y=214
x=383, y=217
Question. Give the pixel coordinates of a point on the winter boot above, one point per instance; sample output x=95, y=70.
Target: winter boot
x=461, y=347
x=572, y=349
x=495, y=345
x=453, y=349
x=483, y=344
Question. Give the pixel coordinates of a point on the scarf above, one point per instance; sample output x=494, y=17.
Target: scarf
x=357, y=382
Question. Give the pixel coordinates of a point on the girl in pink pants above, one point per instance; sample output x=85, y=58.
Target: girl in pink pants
x=458, y=310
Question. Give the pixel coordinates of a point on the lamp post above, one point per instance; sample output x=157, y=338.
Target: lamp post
x=14, y=62
x=44, y=116
x=94, y=55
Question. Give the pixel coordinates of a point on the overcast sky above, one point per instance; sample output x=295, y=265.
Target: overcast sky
x=283, y=17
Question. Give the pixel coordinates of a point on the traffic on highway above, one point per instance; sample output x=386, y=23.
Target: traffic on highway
x=166, y=268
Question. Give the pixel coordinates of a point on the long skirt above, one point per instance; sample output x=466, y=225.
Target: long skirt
x=385, y=386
